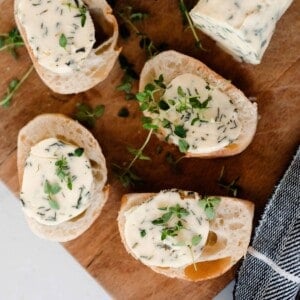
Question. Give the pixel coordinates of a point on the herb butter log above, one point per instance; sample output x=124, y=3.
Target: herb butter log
x=242, y=28
x=183, y=235
x=62, y=175
x=189, y=105
x=73, y=44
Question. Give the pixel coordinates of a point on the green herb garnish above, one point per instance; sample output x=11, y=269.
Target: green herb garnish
x=231, y=187
x=51, y=190
x=10, y=41
x=87, y=115
x=143, y=232
x=187, y=19
x=13, y=86
x=196, y=240
x=63, y=171
x=129, y=17
x=183, y=145
x=63, y=41
x=209, y=204
x=128, y=78
x=172, y=211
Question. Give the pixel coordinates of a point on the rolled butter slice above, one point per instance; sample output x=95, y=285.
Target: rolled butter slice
x=72, y=44
x=62, y=174
x=242, y=28
x=192, y=107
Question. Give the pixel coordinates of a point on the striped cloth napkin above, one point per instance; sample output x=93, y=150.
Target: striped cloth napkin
x=271, y=269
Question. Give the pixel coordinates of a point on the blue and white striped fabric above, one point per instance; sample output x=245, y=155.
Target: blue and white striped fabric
x=271, y=269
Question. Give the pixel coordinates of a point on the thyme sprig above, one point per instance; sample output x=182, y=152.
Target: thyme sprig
x=11, y=41
x=209, y=204
x=51, y=190
x=87, y=115
x=129, y=17
x=128, y=78
x=63, y=171
x=171, y=212
x=126, y=175
x=13, y=86
x=231, y=187
x=187, y=19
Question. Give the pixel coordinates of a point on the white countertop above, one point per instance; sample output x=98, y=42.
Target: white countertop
x=34, y=269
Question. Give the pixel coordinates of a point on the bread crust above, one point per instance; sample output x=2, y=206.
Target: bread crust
x=99, y=62
x=61, y=127
x=172, y=64
x=217, y=258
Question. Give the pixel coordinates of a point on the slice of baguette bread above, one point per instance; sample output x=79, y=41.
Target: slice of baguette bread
x=63, y=128
x=172, y=64
x=97, y=65
x=228, y=238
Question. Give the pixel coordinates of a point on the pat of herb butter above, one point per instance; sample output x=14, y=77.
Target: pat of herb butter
x=197, y=117
x=57, y=182
x=60, y=33
x=242, y=28
x=167, y=231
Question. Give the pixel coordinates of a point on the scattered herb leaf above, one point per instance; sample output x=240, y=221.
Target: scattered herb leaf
x=143, y=232
x=51, y=190
x=87, y=115
x=63, y=41
x=13, y=86
x=209, y=204
x=232, y=187
x=187, y=19
x=11, y=41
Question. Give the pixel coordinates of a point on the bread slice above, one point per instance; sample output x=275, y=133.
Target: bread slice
x=228, y=239
x=68, y=130
x=97, y=65
x=172, y=64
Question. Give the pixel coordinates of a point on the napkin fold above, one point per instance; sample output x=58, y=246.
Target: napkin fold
x=271, y=269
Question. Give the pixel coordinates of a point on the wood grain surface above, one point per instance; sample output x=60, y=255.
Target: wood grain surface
x=275, y=85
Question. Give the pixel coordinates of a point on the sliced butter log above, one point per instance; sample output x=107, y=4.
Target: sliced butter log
x=227, y=242
x=242, y=28
x=61, y=127
x=176, y=68
x=93, y=62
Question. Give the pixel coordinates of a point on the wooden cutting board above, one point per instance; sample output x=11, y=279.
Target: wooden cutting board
x=275, y=85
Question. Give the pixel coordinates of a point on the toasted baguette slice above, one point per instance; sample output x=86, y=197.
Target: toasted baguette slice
x=66, y=129
x=97, y=65
x=172, y=64
x=227, y=242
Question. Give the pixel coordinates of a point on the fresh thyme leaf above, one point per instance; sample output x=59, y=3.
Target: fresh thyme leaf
x=187, y=19
x=196, y=240
x=179, y=211
x=163, y=105
x=126, y=175
x=209, y=204
x=143, y=232
x=180, y=131
x=129, y=77
x=11, y=41
x=53, y=204
x=123, y=112
x=63, y=171
x=183, y=146
x=51, y=189
x=78, y=152
x=82, y=11
x=130, y=17
x=148, y=123
x=87, y=115
x=232, y=187
x=63, y=41
x=138, y=153
x=13, y=86
x=138, y=16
